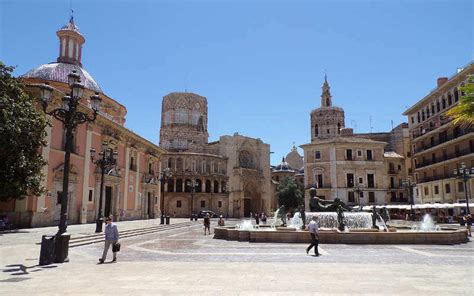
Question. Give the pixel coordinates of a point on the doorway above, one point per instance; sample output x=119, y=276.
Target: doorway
x=246, y=207
x=108, y=201
x=150, y=206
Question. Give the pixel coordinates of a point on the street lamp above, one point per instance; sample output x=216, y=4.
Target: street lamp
x=192, y=184
x=359, y=191
x=70, y=116
x=409, y=185
x=107, y=159
x=464, y=174
x=164, y=176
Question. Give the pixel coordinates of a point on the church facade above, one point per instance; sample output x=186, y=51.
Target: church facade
x=230, y=177
x=131, y=188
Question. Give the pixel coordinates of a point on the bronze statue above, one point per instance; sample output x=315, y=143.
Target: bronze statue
x=340, y=218
x=320, y=205
x=282, y=215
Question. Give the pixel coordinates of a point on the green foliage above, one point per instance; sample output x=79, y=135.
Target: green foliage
x=289, y=193
x=22, y=134
x=463, y=112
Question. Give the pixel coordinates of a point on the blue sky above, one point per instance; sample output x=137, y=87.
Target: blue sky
x=260, y=64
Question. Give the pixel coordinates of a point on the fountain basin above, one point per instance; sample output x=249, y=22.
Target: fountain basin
x=351, y=237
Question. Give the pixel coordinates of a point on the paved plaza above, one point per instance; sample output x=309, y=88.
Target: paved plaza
x=178, y=259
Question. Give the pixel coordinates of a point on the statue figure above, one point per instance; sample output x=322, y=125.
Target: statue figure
x=303, y=217
x=281, y=214
x=340, y=218
x=374, y=217
x=320, y=205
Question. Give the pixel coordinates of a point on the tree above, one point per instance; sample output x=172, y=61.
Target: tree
x=463, y=112
x=22, y=134
x=289, y=193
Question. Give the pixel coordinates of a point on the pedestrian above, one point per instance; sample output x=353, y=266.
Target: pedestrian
x=468, y=219
x=313, y=228
x=221, y=221
x=257, y=219
x=207, y=224
x=264, y=218
x=111, y=238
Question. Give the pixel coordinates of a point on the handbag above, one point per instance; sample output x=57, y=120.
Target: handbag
x=116, y=247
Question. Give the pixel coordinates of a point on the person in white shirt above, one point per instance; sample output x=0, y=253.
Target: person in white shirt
x=313, y=228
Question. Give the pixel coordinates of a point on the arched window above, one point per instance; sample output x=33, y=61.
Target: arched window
x=418, y=117
x=450, y=100
x=216, y=186
x=171, y=163
x=246, y=159
x=443, y=103
x=208, y=186
x=179, y=185
x=456, y=95
x=427, y=112
x=187, y=188
x=170, y=185
x=422, y=115
x=437, y=106
x=432, y=108
x=316, y=130
x=223, y=184
x=199, y=185
x=181, y=116
x=339, y=128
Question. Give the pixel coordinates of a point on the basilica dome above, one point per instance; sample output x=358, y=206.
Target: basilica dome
x=58, y=71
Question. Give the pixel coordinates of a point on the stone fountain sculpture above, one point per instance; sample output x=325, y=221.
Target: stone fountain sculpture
x=320, y=205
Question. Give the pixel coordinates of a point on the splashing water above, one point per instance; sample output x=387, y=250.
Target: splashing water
x=358, y=220
x=296, y=222
x=246, y=225
x=427, y=224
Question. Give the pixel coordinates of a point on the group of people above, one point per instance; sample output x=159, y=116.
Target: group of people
x=259, y=217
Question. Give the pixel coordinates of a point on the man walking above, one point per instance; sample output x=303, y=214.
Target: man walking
x=207, y=224
x=313, y=228
x=111, y=237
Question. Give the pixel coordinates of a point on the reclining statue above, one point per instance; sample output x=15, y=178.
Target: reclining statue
x=320, y=205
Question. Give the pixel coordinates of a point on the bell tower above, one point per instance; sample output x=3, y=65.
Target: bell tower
x=327, y=120
x=70, y=43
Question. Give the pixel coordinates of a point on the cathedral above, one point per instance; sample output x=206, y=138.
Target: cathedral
x=230, y=177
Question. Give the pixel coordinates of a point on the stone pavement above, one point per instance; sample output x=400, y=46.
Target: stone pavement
x=186, y=262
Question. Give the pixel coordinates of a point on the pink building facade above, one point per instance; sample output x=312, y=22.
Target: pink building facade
x=131, y=188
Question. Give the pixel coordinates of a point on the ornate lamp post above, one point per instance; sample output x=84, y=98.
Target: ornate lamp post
x=358, y=190
x=107, y=159
x=192, y=184
x=164, y=176
x=464, y=174
x=409, y=185
x=70, y=116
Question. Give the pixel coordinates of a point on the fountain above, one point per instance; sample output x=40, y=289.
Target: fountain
x=296, y=222
x=357, y=228
x=427, y=224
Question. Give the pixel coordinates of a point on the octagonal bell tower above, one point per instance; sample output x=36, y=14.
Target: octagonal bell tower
x=328, y=120
x=183, y=122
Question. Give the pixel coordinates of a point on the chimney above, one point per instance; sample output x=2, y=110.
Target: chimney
x=442, y=80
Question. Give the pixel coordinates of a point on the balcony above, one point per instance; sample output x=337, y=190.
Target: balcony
x=436, y=160
x=448, y=138
x=439, y=124
x=323, y=186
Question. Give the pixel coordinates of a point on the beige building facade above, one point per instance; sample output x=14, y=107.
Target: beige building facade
x=438, y=146
x=359, y=169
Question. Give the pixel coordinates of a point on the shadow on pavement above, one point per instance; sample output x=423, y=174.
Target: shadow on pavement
x=20, y=269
